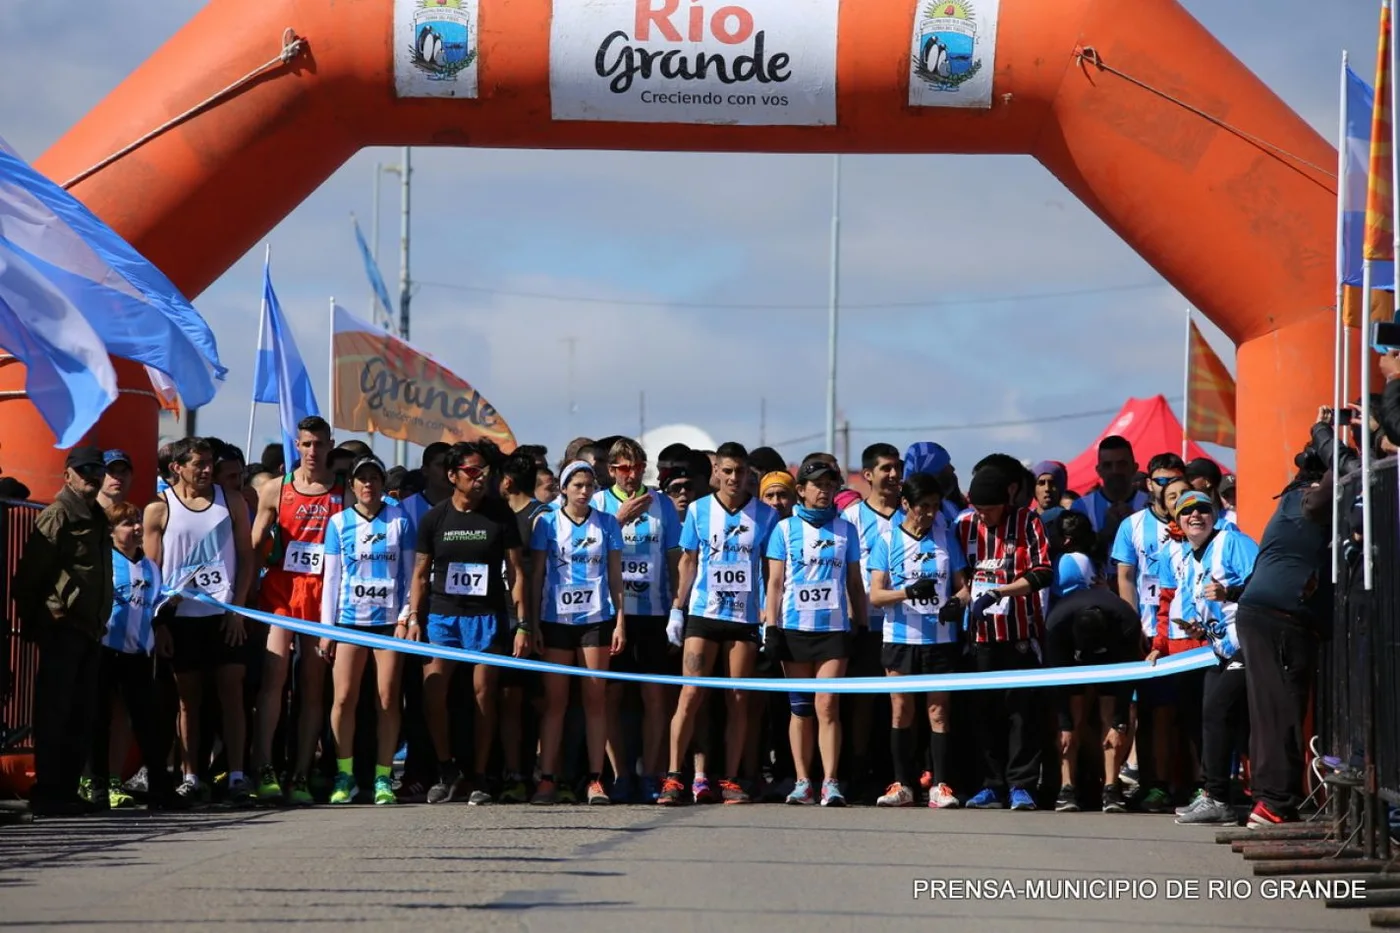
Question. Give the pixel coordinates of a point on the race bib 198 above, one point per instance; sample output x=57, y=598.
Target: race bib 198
x=577, y=600
x=814, y=596
x=637, y=570
x=730, y=578
x=466, y=580
x=304, y=557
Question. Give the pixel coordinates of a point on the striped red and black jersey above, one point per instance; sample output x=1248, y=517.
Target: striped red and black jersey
x=997, y=556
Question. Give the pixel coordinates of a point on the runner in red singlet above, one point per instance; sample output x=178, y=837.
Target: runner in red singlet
x=290, y=528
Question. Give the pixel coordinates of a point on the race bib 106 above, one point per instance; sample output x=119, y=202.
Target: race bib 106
x=731, y=578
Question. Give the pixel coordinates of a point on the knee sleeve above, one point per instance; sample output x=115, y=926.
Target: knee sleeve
x=803, y=704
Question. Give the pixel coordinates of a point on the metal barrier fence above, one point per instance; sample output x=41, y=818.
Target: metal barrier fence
x=21, y=657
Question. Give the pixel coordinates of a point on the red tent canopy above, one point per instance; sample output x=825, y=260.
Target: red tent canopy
x=1151, y=427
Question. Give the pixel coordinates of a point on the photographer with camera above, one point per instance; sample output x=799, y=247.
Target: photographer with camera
x=1284, y=605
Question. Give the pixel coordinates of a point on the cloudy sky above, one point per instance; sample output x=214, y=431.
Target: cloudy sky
x=668, y=288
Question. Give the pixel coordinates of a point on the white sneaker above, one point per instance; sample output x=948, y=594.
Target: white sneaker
x=896, y=795
x=943, y=798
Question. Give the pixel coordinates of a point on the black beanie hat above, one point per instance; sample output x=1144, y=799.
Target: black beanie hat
x=988, y=487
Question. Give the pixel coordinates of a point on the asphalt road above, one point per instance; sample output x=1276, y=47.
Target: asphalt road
x=735, y=869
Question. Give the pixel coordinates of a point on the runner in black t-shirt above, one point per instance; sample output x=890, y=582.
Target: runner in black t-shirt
x=1091, y=625
x=468, y=548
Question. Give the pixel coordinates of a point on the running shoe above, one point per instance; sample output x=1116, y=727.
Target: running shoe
x=1128, y=775
x=941, y=797
x=300, y=794
x=268, y=790
x=87, y=791
x=701, y=792
x=984, y=799
x=1113, y=801
x=896, y=795
x=412, y=793
x=1195, y=801
x=384, y=792
x=831, y=794
x=567, y=794
x=732, y=792
x=672, y=793
x=189, y=794
x=546, y=794
x=651, y=789
x=1157, y=800
x=1208, y=810
x=514, y=790
x=345, y=789
x=239, y=793
x=139, y=783
x=1021, y=799
x=445, y=790
x=479, y=798
x=597, y=797
x=802, y=794
x=1264, y=816
x=623, y=789
x=1067, y=802
x=117, y=797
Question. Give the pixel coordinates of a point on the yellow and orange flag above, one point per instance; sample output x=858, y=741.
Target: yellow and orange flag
x=1379, y=243
x=1211, y=404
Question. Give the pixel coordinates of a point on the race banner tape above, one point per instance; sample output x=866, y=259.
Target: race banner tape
x=1197, y=659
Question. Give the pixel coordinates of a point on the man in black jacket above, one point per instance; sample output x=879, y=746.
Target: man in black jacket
x=63, y=590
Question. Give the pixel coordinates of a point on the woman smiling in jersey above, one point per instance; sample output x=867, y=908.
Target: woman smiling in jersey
x=579, y=619
x=366, y=588
x=917, y=575
x=813, y=567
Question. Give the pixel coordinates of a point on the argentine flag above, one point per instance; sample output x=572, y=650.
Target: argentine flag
x=1361, y=99
x=73, y=292
x=281, y=376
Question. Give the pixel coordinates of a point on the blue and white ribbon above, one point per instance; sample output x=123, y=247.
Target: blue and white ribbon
x=1198, y=659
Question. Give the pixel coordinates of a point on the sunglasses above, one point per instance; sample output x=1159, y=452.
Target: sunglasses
x=1195, y=510
x=626, y=469
x=473, y=472
x=1165, y=481
x=678, y=488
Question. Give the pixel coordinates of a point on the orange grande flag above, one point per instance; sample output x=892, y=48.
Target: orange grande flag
x=384, y=385
x=1211, y=406
x=1379, y=244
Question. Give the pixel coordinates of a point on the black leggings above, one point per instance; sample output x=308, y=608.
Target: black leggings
x=1224, y=723
x=146, y=695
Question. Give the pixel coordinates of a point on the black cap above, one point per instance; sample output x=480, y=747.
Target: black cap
x=369, y=461
x=988, y=488
x=85, y=458
x=1206, y=469
x=815, y=469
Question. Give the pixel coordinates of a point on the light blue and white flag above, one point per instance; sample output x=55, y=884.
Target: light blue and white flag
x=376, y=280
x=281, y=377
x=72, y=292
x=1360, y=100
x=135, y=311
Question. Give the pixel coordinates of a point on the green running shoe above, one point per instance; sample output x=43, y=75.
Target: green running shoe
x=269, y=790
x=300, y=795
x=345, y=791
x=514, y=791
x=566, y=793
x=85, y=789
x=117, y=796
x=384, y=791
x=1157, y=800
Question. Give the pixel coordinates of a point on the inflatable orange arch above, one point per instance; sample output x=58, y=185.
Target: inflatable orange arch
x=1246, y=234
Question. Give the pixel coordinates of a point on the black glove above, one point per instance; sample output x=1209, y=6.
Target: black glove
x=952, y=611
x=922, y=589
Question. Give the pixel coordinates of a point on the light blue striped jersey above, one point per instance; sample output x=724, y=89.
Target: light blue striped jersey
x=1227, y=558
x=1139, y=540
x=1096, y=506
x=905, y=560
x=135, y=592
x=367, y=567
x=816, y=557
x=1171, y=564
x=576, y=566
x=729, y=582
x=870, y=525
x=415, y=507
x=646, y=541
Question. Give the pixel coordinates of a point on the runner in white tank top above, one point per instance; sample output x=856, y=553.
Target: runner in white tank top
x=203, y=546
